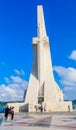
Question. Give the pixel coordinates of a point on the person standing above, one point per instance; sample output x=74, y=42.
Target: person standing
x=69, y=108
x=6, y=112
x=41, y=108
x=11, y=111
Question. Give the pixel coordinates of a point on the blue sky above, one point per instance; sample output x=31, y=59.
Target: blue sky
x=18, y=25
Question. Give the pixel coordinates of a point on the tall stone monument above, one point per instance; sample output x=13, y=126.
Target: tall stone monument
x=42, y=88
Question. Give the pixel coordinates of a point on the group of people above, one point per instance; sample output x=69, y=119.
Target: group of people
x=42, y=108
x=9, y=111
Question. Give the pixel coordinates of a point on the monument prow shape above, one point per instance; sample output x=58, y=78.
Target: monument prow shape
x=42, y=88
x=42, y=85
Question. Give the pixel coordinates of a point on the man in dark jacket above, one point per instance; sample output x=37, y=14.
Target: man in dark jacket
x=6, y=112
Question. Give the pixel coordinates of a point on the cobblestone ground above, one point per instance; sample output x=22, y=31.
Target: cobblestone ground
x=51, y=121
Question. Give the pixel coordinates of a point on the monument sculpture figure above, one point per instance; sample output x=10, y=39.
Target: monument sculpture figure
x=42, y=87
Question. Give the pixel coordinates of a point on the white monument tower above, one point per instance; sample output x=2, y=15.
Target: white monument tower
x=42, y=86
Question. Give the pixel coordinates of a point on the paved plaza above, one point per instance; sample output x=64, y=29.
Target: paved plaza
x=40, y=121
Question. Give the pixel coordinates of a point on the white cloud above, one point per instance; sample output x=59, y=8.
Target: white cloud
x=73, y=55
x=69, y=89
x=13, y=91
x=67, y=80
x=68, y=74
x=7, y=79
x=19, y=72
x=15, y=88
x=16, y=79
x=22, y=72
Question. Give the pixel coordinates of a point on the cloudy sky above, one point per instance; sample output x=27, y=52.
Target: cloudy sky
x=18, y=25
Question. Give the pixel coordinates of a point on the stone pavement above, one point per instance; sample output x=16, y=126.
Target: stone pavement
x=38, y=121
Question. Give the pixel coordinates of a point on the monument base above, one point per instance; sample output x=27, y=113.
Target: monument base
x=49, y=107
